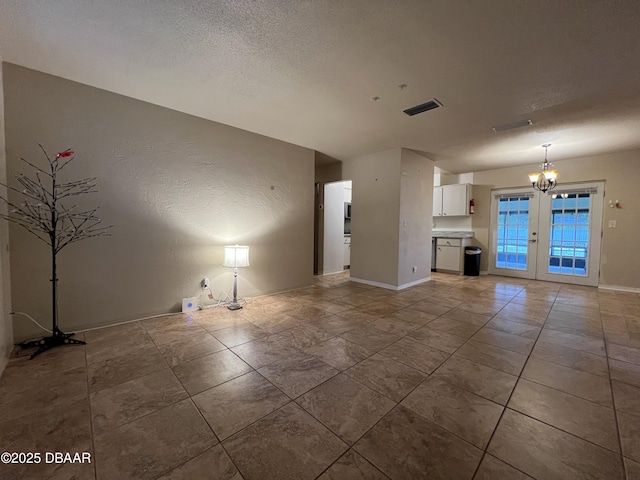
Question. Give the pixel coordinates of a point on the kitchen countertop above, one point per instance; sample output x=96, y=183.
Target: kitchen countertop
x=451, y=234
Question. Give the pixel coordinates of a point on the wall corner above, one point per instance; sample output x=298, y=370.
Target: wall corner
x=6, y=324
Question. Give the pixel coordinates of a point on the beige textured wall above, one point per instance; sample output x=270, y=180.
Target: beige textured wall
x=480, y=223
x=6, y=327
x=176, y=187
x=327, y=169
x=376, y=216
x=416, y=208
x=619, y=264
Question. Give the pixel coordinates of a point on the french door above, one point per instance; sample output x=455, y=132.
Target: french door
x=552, y=236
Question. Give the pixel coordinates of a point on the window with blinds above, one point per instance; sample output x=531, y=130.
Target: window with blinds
x=513, y=232
x=568, y=246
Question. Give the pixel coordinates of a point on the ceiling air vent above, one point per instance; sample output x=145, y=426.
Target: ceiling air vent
x=430, y=105
x=511, y=126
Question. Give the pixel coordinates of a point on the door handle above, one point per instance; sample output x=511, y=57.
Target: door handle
x=533, y=241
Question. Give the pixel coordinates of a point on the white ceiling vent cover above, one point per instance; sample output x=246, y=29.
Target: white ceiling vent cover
x=424, y=107
x=511, y=126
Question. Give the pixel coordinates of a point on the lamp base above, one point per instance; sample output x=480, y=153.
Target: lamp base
x=57, y=339
x=234, y=306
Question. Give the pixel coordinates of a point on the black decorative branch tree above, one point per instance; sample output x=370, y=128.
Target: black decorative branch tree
x=43, y=213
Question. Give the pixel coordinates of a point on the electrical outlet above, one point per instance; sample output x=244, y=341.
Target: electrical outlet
x=205, y=283
x=414, y=269
x=612, y=223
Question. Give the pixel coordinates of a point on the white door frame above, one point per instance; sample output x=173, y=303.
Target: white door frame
x=530, y=272
x=595, y=234
x=333, y=239
x=537, y=261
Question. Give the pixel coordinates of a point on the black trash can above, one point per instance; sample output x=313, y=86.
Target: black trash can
x=472, y=261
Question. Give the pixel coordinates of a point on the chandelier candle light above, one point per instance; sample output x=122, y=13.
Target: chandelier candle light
x=547, y=179
x=235, y=256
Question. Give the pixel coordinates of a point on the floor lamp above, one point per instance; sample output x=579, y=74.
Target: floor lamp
x=235, y=256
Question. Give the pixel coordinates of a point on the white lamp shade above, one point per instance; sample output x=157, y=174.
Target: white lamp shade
x=236, y=256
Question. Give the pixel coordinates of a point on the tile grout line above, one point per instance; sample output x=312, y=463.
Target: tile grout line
x=485, y=450
x=93, y=442
x=220, y=442
x=537, y=383
x=200, y=453
x=462, y=345
x=351, y=447
x=398, y=404
x=519, y=376
x=504, y=407
x=555, y=427
x=215, y=436
x=613, y=408
x=613, y=400
x=293, y=400
x=188, y=396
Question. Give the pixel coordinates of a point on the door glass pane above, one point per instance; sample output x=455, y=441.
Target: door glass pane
x=570, y=219
x=513, y=233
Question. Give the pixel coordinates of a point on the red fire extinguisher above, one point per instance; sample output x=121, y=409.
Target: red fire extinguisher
x=472, y=206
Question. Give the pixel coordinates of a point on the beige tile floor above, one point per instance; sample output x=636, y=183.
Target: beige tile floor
x=458, y=378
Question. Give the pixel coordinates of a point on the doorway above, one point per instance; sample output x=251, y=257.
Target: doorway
x=336, y=236
x=553, y=236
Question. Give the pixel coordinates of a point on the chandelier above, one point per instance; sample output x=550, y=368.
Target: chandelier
x=547, y=179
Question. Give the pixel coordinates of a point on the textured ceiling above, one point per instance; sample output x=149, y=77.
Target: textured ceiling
x=306, y=71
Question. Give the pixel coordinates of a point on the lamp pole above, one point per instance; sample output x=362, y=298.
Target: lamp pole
x=234, y=304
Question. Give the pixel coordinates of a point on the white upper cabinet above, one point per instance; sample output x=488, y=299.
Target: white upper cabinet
x=451, y=200
x=437, y=201
x=455, y=200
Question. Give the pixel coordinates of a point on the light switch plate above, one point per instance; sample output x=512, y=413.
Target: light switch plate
x=612, y=223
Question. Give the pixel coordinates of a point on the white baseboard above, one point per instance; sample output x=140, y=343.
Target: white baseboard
x=389, y=286
x=619, y=288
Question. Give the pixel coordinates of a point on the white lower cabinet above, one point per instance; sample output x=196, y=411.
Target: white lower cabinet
x=449, y=254
x=347, y=251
